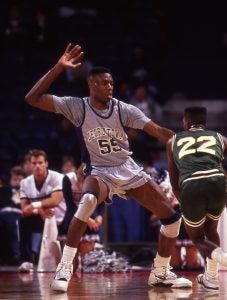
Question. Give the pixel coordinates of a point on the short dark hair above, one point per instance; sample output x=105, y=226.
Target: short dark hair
x=18, y=171
x=36, y=153
x=196, y=114
x=98, y=70
x=67, y=158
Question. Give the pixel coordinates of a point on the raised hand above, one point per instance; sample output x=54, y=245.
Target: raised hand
x=71, y=57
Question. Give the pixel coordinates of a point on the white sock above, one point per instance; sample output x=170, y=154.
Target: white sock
x=68, y=254
x=219, y=256
x=160, y=261
x=212, y=267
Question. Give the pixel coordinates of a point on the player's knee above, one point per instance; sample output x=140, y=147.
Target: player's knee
x=171, y=230
x=86, y=207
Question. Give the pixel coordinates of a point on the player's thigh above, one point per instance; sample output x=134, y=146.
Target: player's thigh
x=153, y=198
x=95, y=185
x=193, y=201
x=216, y=189
x=200, y=197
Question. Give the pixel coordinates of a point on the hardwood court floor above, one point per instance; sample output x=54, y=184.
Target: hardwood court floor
x=121, y=286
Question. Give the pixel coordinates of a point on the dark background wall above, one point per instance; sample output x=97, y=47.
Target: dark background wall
x=185, y=55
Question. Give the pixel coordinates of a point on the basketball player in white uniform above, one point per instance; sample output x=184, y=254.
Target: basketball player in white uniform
x=113, y=171
x=41, y=196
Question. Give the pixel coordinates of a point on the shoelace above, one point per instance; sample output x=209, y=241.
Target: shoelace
x=166, y=272
x=65, y=270
x=210, y=277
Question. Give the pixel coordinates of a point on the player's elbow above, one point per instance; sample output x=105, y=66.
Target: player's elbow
x=31, y=100
x=41, y=101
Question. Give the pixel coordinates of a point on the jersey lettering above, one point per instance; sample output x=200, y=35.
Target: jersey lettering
x=189, y=148
x=187, y=142
x=108, y=146
x=209, y=141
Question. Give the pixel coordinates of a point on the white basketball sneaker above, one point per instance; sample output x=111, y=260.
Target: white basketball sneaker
x=26, y=267
x=163, y=277
x=62, y=277
x=208, y=282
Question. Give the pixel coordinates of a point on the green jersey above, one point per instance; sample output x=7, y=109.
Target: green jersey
x=198, y=154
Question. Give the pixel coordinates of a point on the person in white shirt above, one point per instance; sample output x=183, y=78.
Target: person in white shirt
x=41, y=197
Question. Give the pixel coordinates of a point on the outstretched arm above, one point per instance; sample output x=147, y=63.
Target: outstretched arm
x=37, y=96
x=173, y=171
x=160, y=133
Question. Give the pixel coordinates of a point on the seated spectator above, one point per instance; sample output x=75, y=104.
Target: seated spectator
x=68, y=164
x=39, y=193
x=26, y=165
x=139, y=66
x=144, y=100
x=10, y=214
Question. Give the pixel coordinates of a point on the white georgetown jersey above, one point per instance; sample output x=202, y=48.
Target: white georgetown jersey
x=105, y=137
x=52, y=183
x=103, y=131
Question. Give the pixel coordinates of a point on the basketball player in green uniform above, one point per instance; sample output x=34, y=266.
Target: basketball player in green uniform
x=198, y=181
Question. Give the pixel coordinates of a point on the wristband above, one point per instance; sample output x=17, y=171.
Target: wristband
x=37, y=204
x=35, y=211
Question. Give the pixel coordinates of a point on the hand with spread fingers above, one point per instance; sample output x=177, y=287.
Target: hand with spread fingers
x=71, y=57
